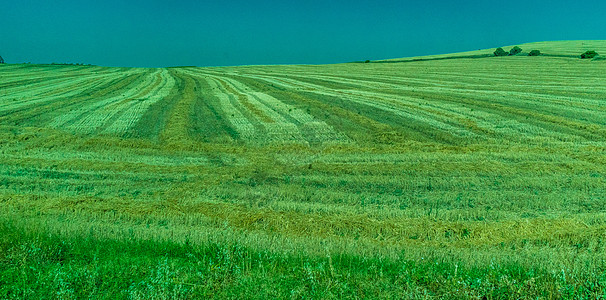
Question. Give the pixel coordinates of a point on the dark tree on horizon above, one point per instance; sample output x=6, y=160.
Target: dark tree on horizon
x=1, y=60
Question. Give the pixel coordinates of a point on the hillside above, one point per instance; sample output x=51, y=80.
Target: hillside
x=554, y=48
x=482, y=176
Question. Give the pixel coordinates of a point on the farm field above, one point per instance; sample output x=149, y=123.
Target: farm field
x=460, y=178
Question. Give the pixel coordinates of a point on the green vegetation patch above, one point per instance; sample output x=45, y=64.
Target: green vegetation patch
x=589, y=54
x=515, y=50
x=534, y=53
x=500, y=52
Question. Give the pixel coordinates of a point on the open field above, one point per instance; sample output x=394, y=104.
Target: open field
x=461, y=178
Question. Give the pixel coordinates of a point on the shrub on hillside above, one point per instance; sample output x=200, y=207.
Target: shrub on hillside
x=515, y=50
x=534, y=53
x=500, y=52
x=589, y=54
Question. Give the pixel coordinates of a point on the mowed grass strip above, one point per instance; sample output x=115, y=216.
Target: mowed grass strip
x=73, y=111
x=53, y=113
x=211, y=121
x=124, y=121
x=430, y=96
x=258, y=112
x=178, y=125
x=101, y=113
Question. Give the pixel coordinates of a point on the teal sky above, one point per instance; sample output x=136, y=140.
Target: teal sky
x=204, y=33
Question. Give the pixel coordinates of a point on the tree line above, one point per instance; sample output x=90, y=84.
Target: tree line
x=517, y=51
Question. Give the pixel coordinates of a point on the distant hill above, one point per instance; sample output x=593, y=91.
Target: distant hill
x=547, y=48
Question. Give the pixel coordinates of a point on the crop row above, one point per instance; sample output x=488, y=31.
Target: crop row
x=455, y=102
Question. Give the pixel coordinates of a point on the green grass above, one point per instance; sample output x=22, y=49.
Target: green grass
x=550, y=48
x=58, y=267
x=459, y=178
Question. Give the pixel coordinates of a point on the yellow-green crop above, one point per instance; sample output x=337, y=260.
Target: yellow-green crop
x=454, y=178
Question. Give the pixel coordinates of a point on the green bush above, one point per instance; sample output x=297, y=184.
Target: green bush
x=589, y=54
x=515, y=50
x=500, y=52
x=534, y=53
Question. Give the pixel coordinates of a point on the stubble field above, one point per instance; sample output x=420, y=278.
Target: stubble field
x=458, y=178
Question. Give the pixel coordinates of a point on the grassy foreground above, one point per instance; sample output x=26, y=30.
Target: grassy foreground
x=463, y=178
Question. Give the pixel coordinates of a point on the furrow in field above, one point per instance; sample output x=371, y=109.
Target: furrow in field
x=384, y=102
x=546, y=93
x=281, y=128
x=176, y=129
x=101, y=118
x=27, y=71
x=566, y=106
x=77, y=112
x=488, y=119
x=246, y=125
x=246, y=101
x=27, y=77
x=414, y=114
x=39, y=88
x=512, y=128
x=182, y=123
x=555, y=93
x=89, y=117
x=557, y=102
x=527, y=112
x=484, y=121
x=334, y=111
x=47, y=112
x=209, y=122
x=290, y=123
x=141, y=103
x=31, y=85
x=188, y=112
x=314, y=131
x=66, y=89
x=494, y=125
x=479, y=77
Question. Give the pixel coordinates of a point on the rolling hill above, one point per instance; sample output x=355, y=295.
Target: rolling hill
x=550, y=48
x=468, y=177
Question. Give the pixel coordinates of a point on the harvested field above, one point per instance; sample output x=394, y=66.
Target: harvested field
x=485, y=176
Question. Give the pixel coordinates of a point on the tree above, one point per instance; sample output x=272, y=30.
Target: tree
x=589, y=54
x=500, y=52
x=534, y=53
x=515, y=50
x=1, y=60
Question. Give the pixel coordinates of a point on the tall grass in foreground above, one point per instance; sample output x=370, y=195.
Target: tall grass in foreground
x=35, y=263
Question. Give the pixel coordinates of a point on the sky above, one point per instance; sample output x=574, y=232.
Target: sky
x=156, y=33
